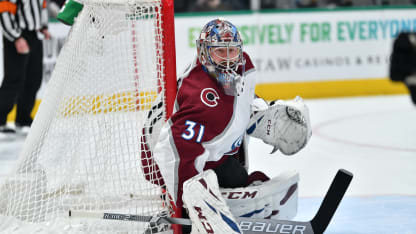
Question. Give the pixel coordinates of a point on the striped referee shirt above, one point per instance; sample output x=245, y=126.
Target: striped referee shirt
x=18, y=15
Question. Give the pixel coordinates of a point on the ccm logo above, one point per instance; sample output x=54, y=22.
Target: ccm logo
x=268, y=127
x=239, y=195
x=272, y=228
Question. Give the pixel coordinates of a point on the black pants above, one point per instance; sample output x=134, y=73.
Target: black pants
x=22, y=78
x=231, y=174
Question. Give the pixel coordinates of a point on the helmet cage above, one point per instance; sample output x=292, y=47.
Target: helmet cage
x=220, y=41
x=229, y=54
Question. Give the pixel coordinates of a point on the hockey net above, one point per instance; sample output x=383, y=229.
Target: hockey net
x=89, y=148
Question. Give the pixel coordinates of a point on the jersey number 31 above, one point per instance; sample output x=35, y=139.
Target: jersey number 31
x=190, y=131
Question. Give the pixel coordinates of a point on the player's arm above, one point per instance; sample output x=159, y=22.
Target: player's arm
x=282, y=124
x=8, y=16
x=180, y=152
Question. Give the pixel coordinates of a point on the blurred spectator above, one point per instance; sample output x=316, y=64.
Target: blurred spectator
x=394, y=2
x=210, y=5
x=268, y=4
x=306, y=3
x=403, y=62
x=280, y=4
x=181, y=5
x=338, y=3
x=238, y=4
x=363, y=3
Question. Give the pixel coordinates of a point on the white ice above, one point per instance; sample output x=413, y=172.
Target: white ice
x=372, y=137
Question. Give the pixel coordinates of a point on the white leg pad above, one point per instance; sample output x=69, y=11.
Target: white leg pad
x=275, y=199
x=207, y=208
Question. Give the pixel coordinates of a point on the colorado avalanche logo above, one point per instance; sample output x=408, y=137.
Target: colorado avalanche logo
x=237, y=143
x=235, y=146
x=209, y=97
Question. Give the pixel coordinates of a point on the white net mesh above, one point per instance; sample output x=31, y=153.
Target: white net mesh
x=89, y=146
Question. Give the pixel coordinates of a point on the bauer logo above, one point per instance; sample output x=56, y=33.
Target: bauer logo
x=209, y=97
x=269, y=227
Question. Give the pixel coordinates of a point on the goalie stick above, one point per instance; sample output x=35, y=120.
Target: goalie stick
x=316, y=225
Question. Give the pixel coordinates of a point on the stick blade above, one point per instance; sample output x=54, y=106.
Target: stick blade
x=331, y=201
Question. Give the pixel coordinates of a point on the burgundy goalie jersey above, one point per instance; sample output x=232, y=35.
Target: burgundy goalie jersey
x=207, y=125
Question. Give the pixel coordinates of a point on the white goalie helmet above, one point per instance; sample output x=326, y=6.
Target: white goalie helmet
x=220, y=51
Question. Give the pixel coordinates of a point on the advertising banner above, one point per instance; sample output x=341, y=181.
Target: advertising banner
x=314, y=53
x=310, y=46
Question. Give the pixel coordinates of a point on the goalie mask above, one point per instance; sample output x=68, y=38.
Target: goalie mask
x=220, y=51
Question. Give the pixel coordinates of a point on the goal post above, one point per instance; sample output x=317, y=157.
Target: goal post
x=169, y=51
x=90, y=145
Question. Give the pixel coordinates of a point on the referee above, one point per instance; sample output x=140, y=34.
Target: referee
x=24, y=24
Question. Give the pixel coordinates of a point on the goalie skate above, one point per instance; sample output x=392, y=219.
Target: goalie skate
x=207, y=209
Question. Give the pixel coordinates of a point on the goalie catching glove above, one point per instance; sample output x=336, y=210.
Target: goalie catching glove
x=282, y=124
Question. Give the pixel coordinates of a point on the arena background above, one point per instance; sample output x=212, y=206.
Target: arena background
x=320, y=54
x=314, y=53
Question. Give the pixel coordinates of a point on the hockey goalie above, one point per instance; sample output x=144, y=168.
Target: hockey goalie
x=201, y=149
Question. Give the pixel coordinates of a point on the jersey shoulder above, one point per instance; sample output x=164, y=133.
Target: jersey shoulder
x=200, y=96
x=249, y=66
x=194, y=83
